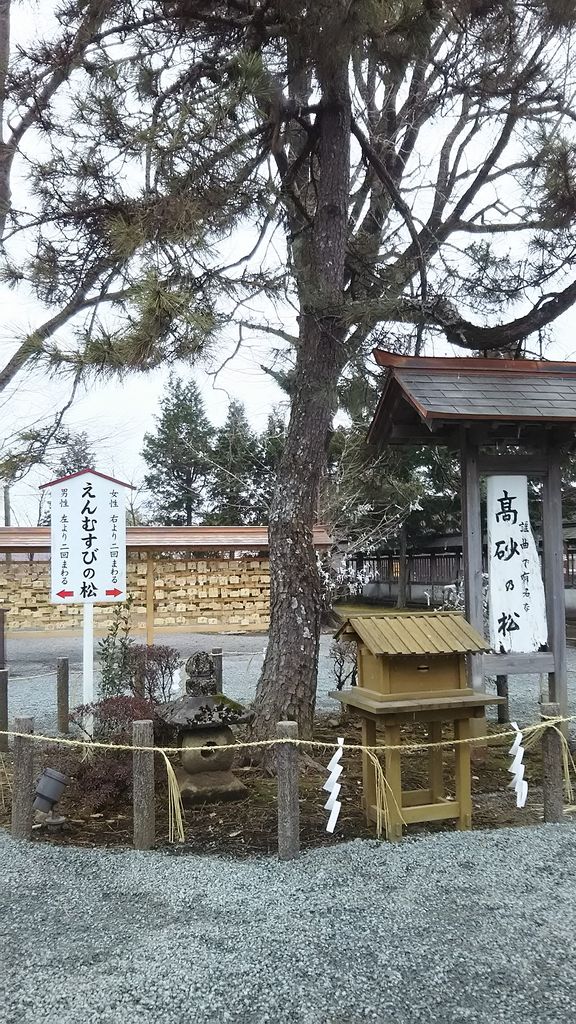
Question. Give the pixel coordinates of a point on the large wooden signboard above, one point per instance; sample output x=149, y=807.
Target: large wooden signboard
x=516, y=605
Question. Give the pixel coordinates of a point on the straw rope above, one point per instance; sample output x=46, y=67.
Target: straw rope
x=532, y=734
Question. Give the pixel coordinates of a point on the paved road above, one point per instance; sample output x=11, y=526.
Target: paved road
x=458, y=927
x=32, y=663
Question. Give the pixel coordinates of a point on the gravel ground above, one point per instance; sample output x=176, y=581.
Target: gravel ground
x=460, y=927
x=242, y=663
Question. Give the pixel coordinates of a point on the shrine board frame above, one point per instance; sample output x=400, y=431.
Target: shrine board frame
x=545, y=466
x=469, y=403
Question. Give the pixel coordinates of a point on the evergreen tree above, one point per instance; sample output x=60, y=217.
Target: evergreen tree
x=233, y=470
x=270, y=447
x=77, y=454
x=383, y=155
x=178, y=456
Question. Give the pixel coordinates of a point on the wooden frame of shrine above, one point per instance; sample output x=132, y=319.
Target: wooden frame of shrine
x=479, y=407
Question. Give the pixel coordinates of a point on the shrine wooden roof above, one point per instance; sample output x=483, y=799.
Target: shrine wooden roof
x=402, y=633
x=425, y=398
x=163, y=538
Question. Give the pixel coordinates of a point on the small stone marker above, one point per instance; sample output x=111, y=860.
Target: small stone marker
x=552, y=776
x=288, y=806
x=143, y=786
x=63, y=694
x=3, y=709
x=22, y=784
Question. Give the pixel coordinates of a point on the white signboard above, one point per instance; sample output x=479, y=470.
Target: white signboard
x=88, y=539
x=517, y=607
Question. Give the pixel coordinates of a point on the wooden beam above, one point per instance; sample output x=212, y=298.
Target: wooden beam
x=506, y=465
x=553, y=555
x=149, y=599
x=518, y=664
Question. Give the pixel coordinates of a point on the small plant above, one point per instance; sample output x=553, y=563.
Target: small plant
x=114, y=651
x=113, y=716
x=344, y=664
x=152, y=671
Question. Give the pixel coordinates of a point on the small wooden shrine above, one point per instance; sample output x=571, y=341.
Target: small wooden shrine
x=412, y=669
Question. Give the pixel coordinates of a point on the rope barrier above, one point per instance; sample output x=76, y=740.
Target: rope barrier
x=175, y=808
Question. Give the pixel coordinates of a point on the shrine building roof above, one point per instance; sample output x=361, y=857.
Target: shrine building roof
x=401, y=633
x=425, y=398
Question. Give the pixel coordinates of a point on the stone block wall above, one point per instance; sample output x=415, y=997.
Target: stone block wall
x=200, y=594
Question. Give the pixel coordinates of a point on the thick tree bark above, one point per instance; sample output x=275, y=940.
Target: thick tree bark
x=287, y=686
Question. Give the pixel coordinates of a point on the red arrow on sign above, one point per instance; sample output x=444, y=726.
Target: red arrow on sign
x=114, y=593
x=65, y=593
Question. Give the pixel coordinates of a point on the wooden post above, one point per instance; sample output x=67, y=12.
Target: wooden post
x=143, y=786
x=502, y=691
x=472, y=558
x=368, y=770
x=2, y=638
x=63, y=694
x=462, y=752
x=23, y=780
x=552, y=776
x=288, y=806
x=149, y=599
x=435, y=763
x=216, y=653
x=3, y=709
x=392, y=737
x=553, y=552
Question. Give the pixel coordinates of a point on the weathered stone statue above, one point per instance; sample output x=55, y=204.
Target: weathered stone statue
x=200, y=674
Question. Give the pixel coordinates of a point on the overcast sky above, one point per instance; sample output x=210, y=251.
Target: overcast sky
x=115, y=415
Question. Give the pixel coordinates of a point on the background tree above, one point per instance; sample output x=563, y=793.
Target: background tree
x=397, y=146
x=178, y=456
x=234, y=460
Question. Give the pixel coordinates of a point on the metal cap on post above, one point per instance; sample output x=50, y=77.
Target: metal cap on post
x=288, y=806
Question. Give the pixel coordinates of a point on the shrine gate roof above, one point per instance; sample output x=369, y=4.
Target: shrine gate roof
x=425, y=398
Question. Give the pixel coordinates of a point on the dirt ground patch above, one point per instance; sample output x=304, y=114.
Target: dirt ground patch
x=248, y=827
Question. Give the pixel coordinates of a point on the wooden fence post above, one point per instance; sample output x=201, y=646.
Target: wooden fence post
x=288, y=806
x=3, y=709
x=552, y=775
x=502, y=691
x=216, y=653
x=23, y=780
x=2, y=638
x=63, y=694
x=143, y=786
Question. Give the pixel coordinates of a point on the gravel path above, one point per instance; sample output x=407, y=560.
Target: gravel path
x=241, y=667
x=475, y=928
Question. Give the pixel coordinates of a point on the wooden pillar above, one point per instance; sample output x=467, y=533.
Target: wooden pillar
x=502, y=691
x=22, y=782
x=3, y=709
x=463, y=731
x=368, y=772
x=2, y=638
x=216, y=653
x=63, y=694
x=552, y=774
x=472, y=558
x=143, y=786
x=553, y=554
x=149, y=598
x=392, y=737
x=435, y=771
x=288, y=791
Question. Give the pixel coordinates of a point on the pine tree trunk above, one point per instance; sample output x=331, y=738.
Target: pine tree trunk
x=287, y=686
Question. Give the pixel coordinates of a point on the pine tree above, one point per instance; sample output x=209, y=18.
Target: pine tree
x=178, y=456
x=382, y=155
x=77, y=454
x=233, y=469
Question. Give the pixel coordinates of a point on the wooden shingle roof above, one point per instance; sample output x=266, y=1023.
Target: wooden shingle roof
x=428, y=395
x=419, y=633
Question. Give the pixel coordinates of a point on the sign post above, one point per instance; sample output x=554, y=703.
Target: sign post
x=88, y=551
